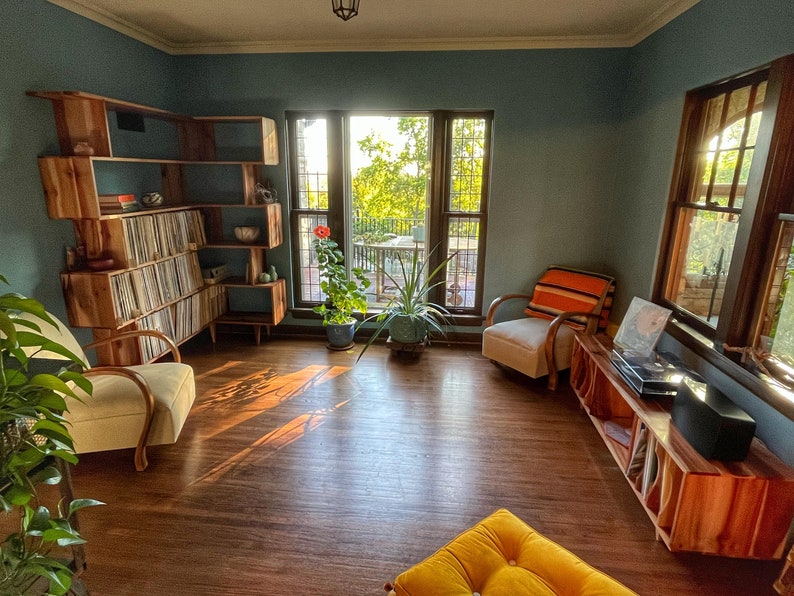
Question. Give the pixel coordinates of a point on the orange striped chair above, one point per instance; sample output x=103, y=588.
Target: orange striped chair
x=564, y=301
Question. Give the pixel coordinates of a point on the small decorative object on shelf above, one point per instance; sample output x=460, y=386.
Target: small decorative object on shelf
x=272, y=273
x=101, y=263
x=247, y=234
x=265, y=193
x=215, y=273
x=264, y=278
x=152, y=199
x=83, y=148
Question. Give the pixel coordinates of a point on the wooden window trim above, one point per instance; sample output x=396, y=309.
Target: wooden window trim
x=338, y=194
x=769, y=192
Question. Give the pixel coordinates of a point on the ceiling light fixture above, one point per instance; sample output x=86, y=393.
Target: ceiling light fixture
x=345, y=9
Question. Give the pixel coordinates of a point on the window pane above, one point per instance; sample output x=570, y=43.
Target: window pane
x=777, y=330
x=307, y=259
x=755, y=122
x=389, y=172
x=468, y=151
x=732, y=135
x=698, y=276
x=713, y=120
x=727, y=142
x=312, y=163
x=464, y=234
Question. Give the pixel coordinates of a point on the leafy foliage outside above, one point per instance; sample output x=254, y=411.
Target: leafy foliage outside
x=395, y=182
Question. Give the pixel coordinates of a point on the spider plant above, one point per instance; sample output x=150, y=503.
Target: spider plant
x=410, y=314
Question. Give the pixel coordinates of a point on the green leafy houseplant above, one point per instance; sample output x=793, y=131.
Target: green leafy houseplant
x=411, y=306
x=344, y=296
x=33, y=434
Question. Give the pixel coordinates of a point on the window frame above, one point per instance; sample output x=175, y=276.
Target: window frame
x=439, y=212
x=768, y=195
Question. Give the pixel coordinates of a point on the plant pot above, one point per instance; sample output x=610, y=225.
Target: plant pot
x=407, y=330
x=340, y=336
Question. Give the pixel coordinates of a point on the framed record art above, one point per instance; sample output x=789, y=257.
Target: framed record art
x=642, y=327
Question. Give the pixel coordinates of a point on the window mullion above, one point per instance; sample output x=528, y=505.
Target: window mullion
x=436, y=239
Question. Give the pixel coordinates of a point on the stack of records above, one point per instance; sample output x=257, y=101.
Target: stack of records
x=649, y=375
x=113, y=204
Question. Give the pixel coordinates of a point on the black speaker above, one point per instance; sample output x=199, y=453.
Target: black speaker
x=715, y=426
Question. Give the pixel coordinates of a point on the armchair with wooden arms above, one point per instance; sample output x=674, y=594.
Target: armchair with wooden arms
x=130, y=406
x=564, y=301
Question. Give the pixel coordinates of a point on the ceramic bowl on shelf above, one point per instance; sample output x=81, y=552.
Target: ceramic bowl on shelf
x=101, y=264
x=246, y=234
x=152, y=199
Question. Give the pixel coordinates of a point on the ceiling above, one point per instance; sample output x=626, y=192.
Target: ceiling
x=256, y=26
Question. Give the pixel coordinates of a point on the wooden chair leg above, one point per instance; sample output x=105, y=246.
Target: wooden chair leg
x=140, y=458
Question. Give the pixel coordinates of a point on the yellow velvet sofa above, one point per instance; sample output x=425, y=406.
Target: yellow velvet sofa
x=503, y=556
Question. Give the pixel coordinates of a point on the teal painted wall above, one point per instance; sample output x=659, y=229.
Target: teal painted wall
x=43, y=47
x=713, y=40
x=556, y=119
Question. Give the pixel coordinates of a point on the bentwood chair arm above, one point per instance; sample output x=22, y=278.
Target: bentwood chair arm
x=148, y=401
x=551, y=336
x=138, y=333
x=501, y=300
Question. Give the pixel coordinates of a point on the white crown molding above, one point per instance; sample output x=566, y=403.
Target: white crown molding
x=108, y=20
x=660, y=18
x=404, y=45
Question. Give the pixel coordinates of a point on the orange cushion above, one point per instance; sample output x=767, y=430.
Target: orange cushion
x=568, y=290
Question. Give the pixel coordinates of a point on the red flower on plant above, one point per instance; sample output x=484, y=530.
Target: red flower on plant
x=322, y=231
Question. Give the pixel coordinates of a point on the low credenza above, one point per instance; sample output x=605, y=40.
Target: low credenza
x=733, y=509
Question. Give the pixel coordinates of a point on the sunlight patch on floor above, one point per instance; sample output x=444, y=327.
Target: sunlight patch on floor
x=245, y=398
x=272, y=442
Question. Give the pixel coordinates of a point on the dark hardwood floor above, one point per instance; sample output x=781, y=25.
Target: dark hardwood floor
x=299, y=473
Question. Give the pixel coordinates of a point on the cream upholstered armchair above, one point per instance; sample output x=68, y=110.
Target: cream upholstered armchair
x=564, y=301
x=130, y=406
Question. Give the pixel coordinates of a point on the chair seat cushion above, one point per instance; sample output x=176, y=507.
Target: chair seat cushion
x=520, y=344
x=113, y=416
x=503, y=556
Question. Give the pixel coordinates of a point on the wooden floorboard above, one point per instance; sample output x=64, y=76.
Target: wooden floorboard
x=299, y=472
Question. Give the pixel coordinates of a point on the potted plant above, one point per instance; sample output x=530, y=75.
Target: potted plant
x=33, y=435
x=344, y=296
x=410, y=316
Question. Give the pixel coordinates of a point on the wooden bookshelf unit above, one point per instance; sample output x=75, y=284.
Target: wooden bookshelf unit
x=734, y=509
x=207, y=169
